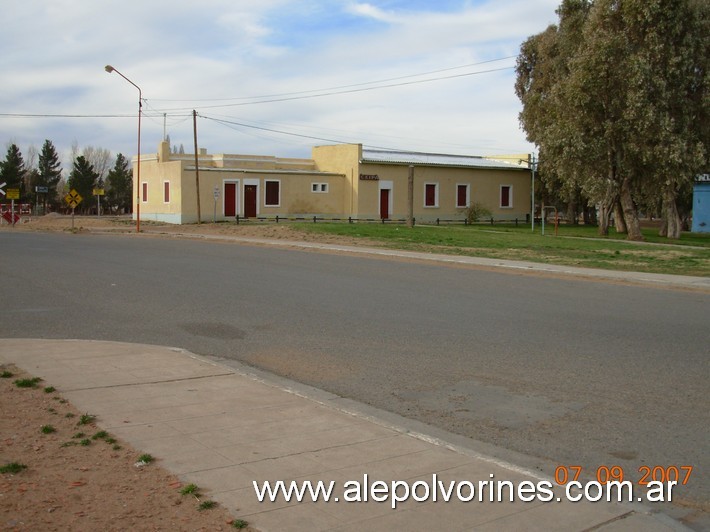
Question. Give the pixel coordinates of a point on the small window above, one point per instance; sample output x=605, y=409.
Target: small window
x=321, y=188
x=272, y=195
x=431, y=195
x=145, y=191
x=506, y=196
x=462, y=197
x=166, y=192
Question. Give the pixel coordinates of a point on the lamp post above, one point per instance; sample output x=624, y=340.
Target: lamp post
x=110, y=69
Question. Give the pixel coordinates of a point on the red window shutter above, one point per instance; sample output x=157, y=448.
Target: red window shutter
x=430, y=196
x=461, y=195
x=166, y=192
x=505, y=196
x=145, y=191
x=272, y=193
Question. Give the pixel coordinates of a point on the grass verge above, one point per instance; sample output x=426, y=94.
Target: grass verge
x=574, y=245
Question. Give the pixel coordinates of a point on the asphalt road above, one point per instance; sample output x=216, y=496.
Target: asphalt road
x=574, y=372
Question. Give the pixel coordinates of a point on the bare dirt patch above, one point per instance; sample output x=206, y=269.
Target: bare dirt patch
x=79, y=479
x=124, y=224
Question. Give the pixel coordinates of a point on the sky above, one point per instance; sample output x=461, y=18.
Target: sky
x=266, y=77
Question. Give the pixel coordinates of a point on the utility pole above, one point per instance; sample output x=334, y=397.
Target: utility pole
x=197, y=165
x=533, y=167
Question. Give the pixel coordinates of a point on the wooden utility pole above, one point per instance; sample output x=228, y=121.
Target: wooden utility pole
x=410, y=197
x=197, y=166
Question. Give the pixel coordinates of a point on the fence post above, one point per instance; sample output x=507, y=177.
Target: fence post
x=350, y=219
x=314, y=219
x=516, y=222
x=237, y=219
x=437, y=221
x=491, y=220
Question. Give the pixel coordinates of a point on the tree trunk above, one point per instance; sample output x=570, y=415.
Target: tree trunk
x=671, y=216
x=605, y=214
x=630, y=214
x=619, y=222
x=663, y=231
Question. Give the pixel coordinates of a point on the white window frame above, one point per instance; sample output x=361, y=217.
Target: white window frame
x=468, y=195
x=436, y=195
x=319, y=188
x=271, y=205
x=510, y=197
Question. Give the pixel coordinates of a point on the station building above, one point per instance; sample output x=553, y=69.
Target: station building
x=338, y=181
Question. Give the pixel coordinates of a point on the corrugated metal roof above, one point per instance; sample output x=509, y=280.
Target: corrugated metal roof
x=434, y=159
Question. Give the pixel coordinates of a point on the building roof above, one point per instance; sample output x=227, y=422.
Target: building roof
x=435, y=159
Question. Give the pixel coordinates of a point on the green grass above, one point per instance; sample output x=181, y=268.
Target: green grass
x=574, y=245
x=100, y=435
x=6, y=374
x=190, y=489
x=12, y=467
x=27, y=383
x=48, y=429
x=206, y=505
x=86, y=419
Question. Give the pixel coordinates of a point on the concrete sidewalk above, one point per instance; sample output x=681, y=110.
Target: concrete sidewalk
x=222, y=427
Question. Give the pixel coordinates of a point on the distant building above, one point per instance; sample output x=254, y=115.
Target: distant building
x=701, y=204
x=342, y=180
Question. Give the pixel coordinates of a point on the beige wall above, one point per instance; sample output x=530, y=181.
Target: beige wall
x=342, y=159
x=338, y=169
x=483, y=187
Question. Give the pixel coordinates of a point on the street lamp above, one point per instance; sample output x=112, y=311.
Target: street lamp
x=110, y=69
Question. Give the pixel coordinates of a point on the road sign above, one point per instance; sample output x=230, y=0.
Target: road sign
x=98, y=192
x=73, y=198
x=1, y=190
x=216, y=192
x=13, y=193
x=41, y=190
x=11, y=217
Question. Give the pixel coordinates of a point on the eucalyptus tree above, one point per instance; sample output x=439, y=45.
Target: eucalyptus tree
x=616, y=97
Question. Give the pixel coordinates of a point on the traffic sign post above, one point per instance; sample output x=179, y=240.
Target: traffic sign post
x=98, y=192
x=39, y=190
x=73, y=199
x=12, y=194
x=216, y=197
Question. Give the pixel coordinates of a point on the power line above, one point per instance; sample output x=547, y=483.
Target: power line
x=288, y=94
x=303, y=95
x=350, y=91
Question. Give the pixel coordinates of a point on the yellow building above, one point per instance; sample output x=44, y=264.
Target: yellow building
x=339, y=181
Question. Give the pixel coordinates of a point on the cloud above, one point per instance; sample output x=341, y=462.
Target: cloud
x=220, y=52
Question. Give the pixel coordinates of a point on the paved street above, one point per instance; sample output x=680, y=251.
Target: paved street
x=562, y=371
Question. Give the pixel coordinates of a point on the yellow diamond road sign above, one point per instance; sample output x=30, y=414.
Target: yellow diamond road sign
x=73, y=198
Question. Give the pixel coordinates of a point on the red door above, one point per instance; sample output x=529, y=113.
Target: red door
x=250, y=201
x=384, y=203
x=230, y=199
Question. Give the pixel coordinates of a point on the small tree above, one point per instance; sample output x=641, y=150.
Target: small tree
x=119, y=184
x=49, y=173
x=12, y=171
x=476, y=212
x=83, y=178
